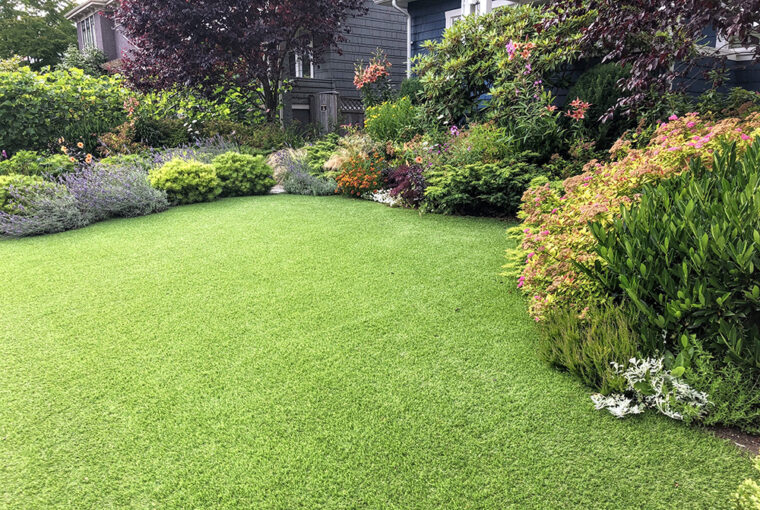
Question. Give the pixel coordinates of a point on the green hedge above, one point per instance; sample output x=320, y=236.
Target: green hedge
x=37, y=109
x=186, y=182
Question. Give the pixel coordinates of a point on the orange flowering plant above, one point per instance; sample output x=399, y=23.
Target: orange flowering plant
x=373, y=80
x=361, y=174
x=555, y=233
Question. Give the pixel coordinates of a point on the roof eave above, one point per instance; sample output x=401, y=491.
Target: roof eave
x=86, y=7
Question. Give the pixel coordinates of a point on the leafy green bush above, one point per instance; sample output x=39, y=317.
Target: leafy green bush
x=599, y=86
x=243, y=174
x=412, y=88
x=496, y=61
x=320, y=151
x=186, y=182
x=747, y=497
x=686, y=258
x=263, y=138
x=12, y=188
x=586, y=346
x=160, y=132
x=127, y=160
x=556, y=228
x=492, y=189
x=90, y=60
x=32, y=163
x=39, y=108
x=391, y=121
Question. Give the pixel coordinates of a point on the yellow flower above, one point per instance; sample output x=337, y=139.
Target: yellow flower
x=88, y=159
x=64, y=149
x=72, y=159
x=80, y=145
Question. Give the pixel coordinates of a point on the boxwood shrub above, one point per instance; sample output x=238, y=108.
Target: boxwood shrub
x=186, y=182
x=243, y=174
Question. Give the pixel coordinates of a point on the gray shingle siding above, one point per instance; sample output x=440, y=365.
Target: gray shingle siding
x=429, y=20
x=382, y=27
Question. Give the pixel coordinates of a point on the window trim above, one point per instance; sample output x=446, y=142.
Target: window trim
x=89, y=38
x=452, y=16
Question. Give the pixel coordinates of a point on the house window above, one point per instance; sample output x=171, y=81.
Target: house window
x=88, y=32
x=452, y=17
x=304, y=67
x=475, y=7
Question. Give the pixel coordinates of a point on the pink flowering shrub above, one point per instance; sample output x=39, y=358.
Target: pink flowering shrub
x=555, y=230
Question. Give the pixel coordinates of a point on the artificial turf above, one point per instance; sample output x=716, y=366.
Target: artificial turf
x=299, y=352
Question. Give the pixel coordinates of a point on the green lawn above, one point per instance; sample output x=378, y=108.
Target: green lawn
x=297, y=352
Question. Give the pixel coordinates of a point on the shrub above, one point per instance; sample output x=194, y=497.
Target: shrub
x=734, y=392
x=110, y=191
x=186, y=182
x=204, y=150
x=686, y=256
x=39, y=108
x=320, y=151
x=407, y=184
x=412, y=88
x=747, y=497
x=391, y=121
x=492, y=189
x=556, y=232
x=496, y=62
x=297, y=182
x=90, y=60
x=599, y=86
x=140, y=161
x=243, y=174
x=39, y=208
x=361, y=174
x=292, y=169
x=587, y=346
x=13, y=188
x=160, y=132
x=32, y=163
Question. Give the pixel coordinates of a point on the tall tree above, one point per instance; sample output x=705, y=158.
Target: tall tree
x=35, y=30
x=662, y=40
x=211, y=44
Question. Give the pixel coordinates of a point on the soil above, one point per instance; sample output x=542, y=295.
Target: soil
x=744, y=441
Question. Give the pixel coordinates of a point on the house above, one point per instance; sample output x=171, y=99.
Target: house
x=322, y=92
x=428, y=19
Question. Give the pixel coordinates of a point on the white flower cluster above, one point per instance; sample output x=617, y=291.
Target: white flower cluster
x=384, y=197
x=649, y=385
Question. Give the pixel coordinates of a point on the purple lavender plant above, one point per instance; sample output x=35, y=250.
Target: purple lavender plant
x=43, y=208
x=106, y=191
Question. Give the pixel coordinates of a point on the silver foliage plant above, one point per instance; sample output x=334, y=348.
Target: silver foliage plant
x=650, y=386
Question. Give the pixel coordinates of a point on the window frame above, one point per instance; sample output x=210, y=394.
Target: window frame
x=89, y=38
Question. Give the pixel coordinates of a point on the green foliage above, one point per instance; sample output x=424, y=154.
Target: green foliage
x=158, y=132
x=243, y=174
x=320, y=151
x=492, y=189
x=392, y=121
x=456, y=74
x=128, y=160
x=412, y=88
x=231, y=105
x=32, y=163
x=262, y=138
x=186, y=182
x=298, y=183
x=734, y=393
x=599, y=86
x=17, y=183
x=36, y=30
x=90, y=60
x=747, y=496
x=687, y=256
x=585, y=346
x=38, y=109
